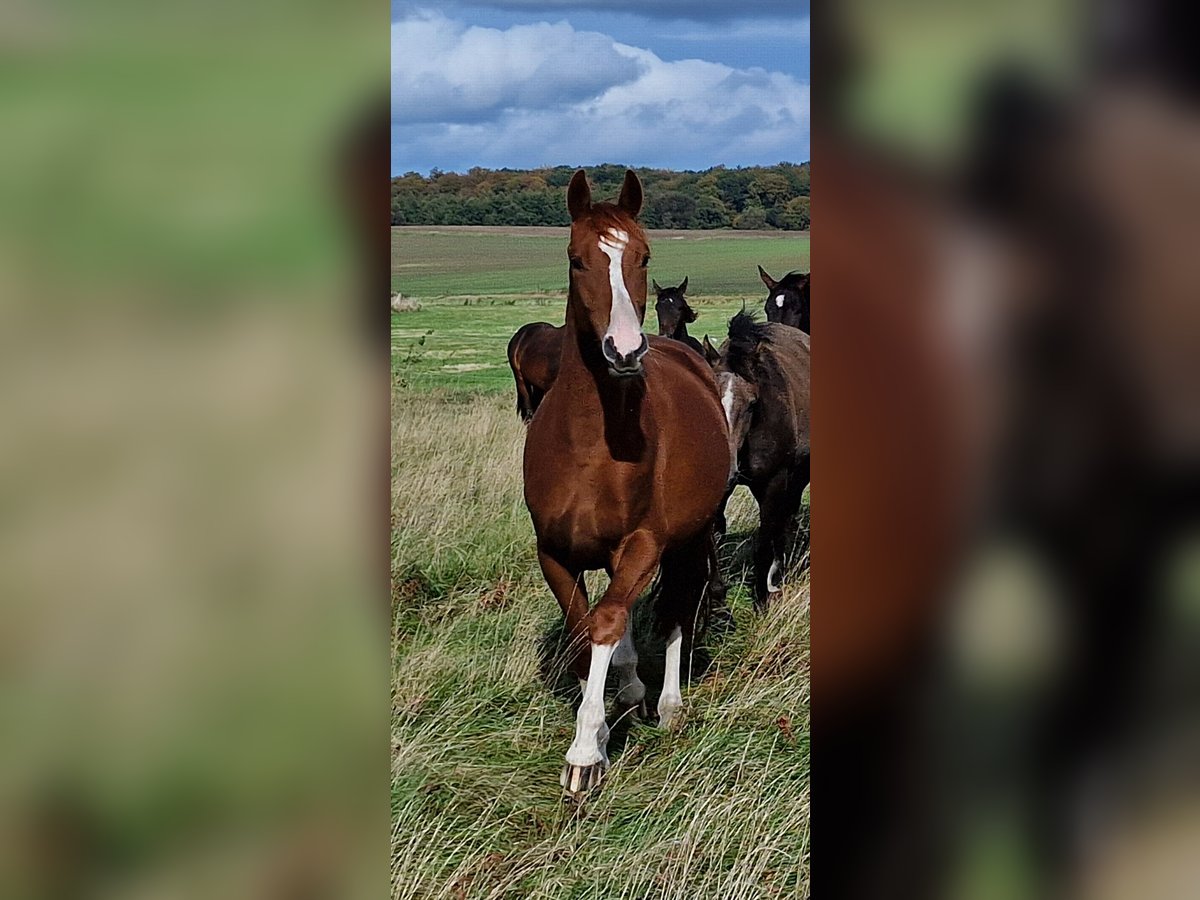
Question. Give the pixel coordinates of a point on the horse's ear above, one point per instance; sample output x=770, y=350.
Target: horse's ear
x=654, y=284
x=711, y=353
x=683, y=285
x=767, y=279
x=579, y=196
x=631, y=194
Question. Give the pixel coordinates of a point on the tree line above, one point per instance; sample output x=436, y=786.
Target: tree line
x=752, y=197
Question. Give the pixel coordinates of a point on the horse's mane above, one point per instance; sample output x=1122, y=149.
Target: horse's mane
x=745, y=334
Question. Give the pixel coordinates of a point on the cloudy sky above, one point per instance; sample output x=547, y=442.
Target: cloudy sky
x=682, y=84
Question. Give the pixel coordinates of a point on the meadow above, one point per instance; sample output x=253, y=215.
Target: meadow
x=477, y=286
x=482, y=709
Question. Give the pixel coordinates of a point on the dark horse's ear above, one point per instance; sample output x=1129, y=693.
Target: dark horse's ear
x=654, y=284
x=711, y=353
x=767, y=279
x=631, y=194
x=683, y=285
x=579, y=196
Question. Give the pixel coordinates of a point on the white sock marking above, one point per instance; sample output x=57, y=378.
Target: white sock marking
x=772, y=575
x=671, y=699
x=591, y=733
x=631, y=690
x=623, y=325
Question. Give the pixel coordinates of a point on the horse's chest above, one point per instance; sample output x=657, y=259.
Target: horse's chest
x=572, y=501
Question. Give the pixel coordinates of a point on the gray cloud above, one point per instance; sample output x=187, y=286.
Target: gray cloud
x=695, y=10
x=443, y=71
x=631, y=106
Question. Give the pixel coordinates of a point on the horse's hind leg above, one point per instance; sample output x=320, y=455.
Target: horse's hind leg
x=571, y=593
x=631, y=692
x=685, y=577
x=778, y=505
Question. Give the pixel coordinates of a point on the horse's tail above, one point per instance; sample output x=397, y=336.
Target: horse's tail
x=524, y=401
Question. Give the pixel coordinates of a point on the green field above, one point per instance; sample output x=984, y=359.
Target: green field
x=477, y=288
x=482, y=711
x=428, y=263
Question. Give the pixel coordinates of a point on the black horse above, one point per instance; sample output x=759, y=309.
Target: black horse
x=787, y=299
x=762, y=373
x=674, y=314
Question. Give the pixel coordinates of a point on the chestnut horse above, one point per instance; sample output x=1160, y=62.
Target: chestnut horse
x=625, y=464
x=533, y=356
x=787, y=299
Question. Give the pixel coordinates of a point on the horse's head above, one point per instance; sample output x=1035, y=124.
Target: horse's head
x=787, y=299
x=609, y=255
x=672, y=308
x=738, y=398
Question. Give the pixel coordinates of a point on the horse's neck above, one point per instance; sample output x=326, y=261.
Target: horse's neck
x=681, y=332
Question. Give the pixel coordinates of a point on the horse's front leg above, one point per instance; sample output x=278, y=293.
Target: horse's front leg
x=633, y=567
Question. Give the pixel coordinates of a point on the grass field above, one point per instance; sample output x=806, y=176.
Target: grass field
x=449, y=262
x=483, y=712
x=478, y=286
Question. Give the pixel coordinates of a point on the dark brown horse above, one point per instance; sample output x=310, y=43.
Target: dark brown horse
x=625, y=464
x=674, y=314
x=762, y=374
x=787, y=299
x=533, y=356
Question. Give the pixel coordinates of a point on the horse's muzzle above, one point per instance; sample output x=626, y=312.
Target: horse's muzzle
x=624, y=364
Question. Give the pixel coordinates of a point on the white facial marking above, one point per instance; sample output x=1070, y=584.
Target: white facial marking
x=623, y=325
x=773, y=584
x=591, y=733
x=671, y=699
x=727, y=398
x=779, y=301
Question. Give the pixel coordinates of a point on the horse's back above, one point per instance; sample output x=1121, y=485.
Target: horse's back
x=787, y=358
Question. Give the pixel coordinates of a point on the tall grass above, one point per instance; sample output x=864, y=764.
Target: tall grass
x=482, y=712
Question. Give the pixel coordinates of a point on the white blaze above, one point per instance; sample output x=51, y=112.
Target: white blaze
x=623, y=325
x=779, y=301
x=727, y=399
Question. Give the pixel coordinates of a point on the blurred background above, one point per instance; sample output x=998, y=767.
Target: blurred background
x=1006, y=559
x=193, y=451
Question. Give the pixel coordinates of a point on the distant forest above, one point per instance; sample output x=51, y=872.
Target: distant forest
x=754, y=197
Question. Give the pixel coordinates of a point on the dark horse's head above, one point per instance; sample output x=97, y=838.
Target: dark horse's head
x=787, y=299
x=609, y=255
x=674, y=314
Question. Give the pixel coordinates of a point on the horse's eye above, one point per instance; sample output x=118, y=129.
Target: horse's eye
x=576, y=263
x=645, y=260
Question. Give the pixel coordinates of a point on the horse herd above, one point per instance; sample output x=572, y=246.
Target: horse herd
x=634, y=444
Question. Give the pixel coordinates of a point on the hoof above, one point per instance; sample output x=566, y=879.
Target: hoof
x=578, y=780
x=669, y=715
